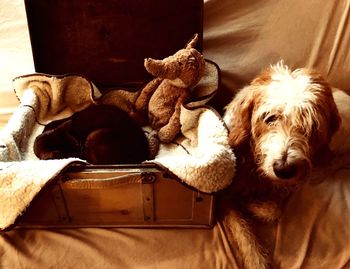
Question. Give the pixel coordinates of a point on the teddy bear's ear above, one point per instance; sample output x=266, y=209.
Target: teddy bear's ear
x=192, y=43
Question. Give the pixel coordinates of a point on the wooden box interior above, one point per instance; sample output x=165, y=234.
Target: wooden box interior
x=107, y=41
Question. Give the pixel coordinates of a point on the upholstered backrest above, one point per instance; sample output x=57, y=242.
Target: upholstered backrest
x=243, y=37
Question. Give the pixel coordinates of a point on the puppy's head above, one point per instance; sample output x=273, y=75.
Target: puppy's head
x=287, y=118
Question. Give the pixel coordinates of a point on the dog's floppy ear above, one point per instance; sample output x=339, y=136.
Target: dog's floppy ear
x=238, y=117
x=329, y=102
x=335, y=120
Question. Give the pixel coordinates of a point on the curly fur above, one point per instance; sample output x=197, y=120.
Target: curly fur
x=280, y=126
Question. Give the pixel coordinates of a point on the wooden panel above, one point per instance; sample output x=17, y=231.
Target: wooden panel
x=173, y=201
x=104, y=205
x=108, y=40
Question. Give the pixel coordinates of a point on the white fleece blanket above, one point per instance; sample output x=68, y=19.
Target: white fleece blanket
x=200, y=158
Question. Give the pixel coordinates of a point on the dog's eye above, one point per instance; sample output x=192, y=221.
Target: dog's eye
x=270, y=119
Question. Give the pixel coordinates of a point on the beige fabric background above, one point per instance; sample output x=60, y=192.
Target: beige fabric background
x=245, y=36
x=15, y=49
x=242, y=37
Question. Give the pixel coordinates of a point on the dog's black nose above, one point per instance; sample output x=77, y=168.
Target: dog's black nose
x=284, y=170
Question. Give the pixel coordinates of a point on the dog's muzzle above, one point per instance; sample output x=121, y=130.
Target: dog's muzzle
x=296, y=170
x=284, y=170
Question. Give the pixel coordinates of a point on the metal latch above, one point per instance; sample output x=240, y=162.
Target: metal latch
x=147, y=180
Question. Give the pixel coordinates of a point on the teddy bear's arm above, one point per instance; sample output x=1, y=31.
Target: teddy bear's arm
x=146, y=93
x=168, y=132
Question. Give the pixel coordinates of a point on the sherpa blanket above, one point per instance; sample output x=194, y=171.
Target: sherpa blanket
x=200, y=157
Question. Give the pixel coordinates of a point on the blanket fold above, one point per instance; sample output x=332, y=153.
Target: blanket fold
x=200, y=157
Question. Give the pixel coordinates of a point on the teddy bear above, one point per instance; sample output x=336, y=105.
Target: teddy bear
x=161, y=99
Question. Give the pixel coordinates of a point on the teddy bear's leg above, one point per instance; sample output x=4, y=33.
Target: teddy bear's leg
x=142, y=100
x=168, y=132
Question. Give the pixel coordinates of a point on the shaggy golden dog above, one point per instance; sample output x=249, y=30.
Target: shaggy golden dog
x=280, y=126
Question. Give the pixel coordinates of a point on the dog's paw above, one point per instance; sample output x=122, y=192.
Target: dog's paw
x=265, y=211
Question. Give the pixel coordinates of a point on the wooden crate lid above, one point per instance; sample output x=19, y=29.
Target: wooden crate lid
x=107, y=41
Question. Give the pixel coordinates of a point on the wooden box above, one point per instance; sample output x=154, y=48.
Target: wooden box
x=123, y=196
x=106, y=41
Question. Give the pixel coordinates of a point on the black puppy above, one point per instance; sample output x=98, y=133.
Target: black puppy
x=100, y=134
